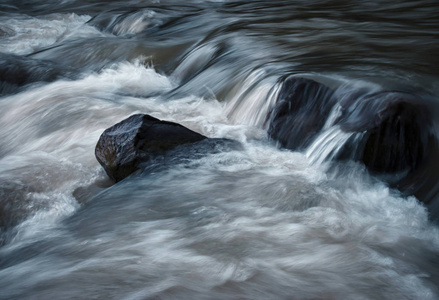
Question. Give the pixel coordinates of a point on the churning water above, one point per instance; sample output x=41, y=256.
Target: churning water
x=258, y=222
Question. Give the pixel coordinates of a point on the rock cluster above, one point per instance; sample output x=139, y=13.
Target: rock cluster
x=396, y=130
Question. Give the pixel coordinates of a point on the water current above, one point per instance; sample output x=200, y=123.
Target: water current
x=258, y=222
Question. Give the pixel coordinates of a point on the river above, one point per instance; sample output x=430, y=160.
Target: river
x=256, y=222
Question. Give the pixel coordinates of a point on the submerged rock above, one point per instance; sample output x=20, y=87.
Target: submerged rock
x=17, y=71
x=6, y=31
x=124, y=147
x=128, y=21
x=300, y=112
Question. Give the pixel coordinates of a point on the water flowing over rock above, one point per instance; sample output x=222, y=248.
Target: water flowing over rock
x=394, y=130
x=397, y=130
x=16, y=71
x=123, y=147
x=398, y=141
x=129, y=22
x=344, y=206
x=300, y=112
x=5, y=31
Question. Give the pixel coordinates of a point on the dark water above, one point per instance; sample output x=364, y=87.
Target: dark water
x=258, y=222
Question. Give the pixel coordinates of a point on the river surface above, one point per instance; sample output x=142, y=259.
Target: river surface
x=258, y=222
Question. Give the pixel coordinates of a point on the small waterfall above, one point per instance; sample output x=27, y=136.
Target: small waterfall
x=251, y=103
x=331, y=140
x=329, y=143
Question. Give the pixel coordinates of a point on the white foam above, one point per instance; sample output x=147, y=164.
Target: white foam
x=219, y=227
x=31, y=34
x=327, y=144
x=251, y=103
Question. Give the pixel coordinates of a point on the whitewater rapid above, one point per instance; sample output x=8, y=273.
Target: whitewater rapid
x=258, y=222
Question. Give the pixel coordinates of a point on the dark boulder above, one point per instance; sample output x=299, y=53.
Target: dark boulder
x=394, y=132
x=124, y=147
x=300, y=112
x=397, y=141
x=396, y=127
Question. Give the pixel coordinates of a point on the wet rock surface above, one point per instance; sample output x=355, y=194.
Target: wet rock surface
x=300, y=112
x=393, y=130
x=397, y=130
x=138, y=139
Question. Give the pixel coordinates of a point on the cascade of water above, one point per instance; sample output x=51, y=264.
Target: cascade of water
x=257, y=221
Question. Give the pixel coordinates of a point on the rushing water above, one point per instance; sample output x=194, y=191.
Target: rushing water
x=258, y=222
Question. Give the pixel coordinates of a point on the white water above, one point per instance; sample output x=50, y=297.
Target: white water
x=254, y=223
x=222, y=227
x=27, y=34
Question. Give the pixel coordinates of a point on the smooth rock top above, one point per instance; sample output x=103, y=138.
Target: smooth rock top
x=137, y=139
